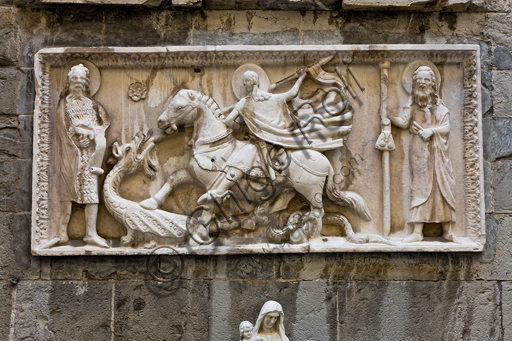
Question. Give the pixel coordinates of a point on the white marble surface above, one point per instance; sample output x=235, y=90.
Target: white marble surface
x=152, y=184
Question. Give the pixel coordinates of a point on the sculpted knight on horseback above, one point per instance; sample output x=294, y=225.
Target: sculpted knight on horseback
x=281, y=148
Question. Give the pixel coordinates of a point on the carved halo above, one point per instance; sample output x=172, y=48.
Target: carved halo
x=413, y=66
x=94, y=74
x=237, y=84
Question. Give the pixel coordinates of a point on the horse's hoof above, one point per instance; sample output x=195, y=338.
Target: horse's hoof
x=149, y=204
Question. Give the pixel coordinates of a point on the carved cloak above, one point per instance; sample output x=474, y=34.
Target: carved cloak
x=66, y=153
x=310, y=126
x=431, y=169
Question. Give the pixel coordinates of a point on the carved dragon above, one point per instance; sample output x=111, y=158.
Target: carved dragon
x=130, y=157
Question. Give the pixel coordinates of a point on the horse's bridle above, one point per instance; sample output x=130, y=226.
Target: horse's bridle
x=183, y=115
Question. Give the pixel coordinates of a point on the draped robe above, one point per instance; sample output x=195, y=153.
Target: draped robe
x=432, y=181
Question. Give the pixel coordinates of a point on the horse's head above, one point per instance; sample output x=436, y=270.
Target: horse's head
x=138, y=152
x=181, y=110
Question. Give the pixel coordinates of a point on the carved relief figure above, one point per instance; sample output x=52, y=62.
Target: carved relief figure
x=81, y=123
x=270, y=323
x=261, y=111
x=213, y=146
x=432, y=182
x=246, y=329
x=140, y=223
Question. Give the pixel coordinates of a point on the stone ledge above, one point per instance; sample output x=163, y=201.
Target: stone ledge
x=299, y=5
x=429, y=5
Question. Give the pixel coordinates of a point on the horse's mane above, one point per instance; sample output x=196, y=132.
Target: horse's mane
x=210, y=104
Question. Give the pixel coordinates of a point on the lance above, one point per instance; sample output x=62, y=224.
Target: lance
x=297, y=74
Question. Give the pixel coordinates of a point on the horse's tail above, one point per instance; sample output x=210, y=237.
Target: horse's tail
x=346, y=198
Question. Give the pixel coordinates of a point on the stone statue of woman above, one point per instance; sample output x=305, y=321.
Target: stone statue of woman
x=270, y=323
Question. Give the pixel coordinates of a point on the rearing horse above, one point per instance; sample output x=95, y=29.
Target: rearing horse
x=308, y=172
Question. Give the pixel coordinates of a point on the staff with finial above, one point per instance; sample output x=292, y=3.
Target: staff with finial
x=385, y=144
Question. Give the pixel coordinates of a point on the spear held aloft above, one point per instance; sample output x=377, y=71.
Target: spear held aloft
x=299, y=72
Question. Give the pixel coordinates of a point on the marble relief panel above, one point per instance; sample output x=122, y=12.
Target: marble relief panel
x=258, y=149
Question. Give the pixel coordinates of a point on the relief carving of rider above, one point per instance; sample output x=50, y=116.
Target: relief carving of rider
x=268, y=118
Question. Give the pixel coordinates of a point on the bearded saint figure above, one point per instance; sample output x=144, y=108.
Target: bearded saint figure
x=81, y=123
x=270, y=323
x=432, y=183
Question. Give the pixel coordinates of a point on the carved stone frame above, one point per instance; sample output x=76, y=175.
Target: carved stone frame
x=469, y=55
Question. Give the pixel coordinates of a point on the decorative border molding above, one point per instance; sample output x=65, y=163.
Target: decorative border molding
x=472, y=149
x=206, y=56
x=41, y=163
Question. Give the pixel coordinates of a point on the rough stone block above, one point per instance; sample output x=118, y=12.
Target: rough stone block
x=149, y=310
x=502, y=94
x=9, y=48
x=486, y=100
x=17, y=91
x=257, y=267
x=497, y=141
x=127, y=267
x=491, y=5
x=251, y=28
x=494, y=262
x=442, y=310
x=309, y=267
x=491, y=235
x=119, y=26
x=131, y=267
x=5, y=309
x=502, y=186
x=63, y=310
x=27, y=93
x=16, y=261
x=360, y=267
x=384, y=4
x=289, y=5
x=498, y=26
x=104, y=2
x=59, y=268
x=506, y=294
x=15, y=185
x=502, y=58
x=11, y=80
x=488, y=195
x=16, y=136
x=316, y=307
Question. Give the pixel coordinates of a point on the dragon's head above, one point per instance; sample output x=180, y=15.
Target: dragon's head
x=140, y=151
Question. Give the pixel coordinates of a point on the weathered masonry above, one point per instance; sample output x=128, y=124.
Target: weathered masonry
x=212, y=170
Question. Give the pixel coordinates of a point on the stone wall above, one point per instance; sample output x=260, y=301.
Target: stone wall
x=373, y=296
